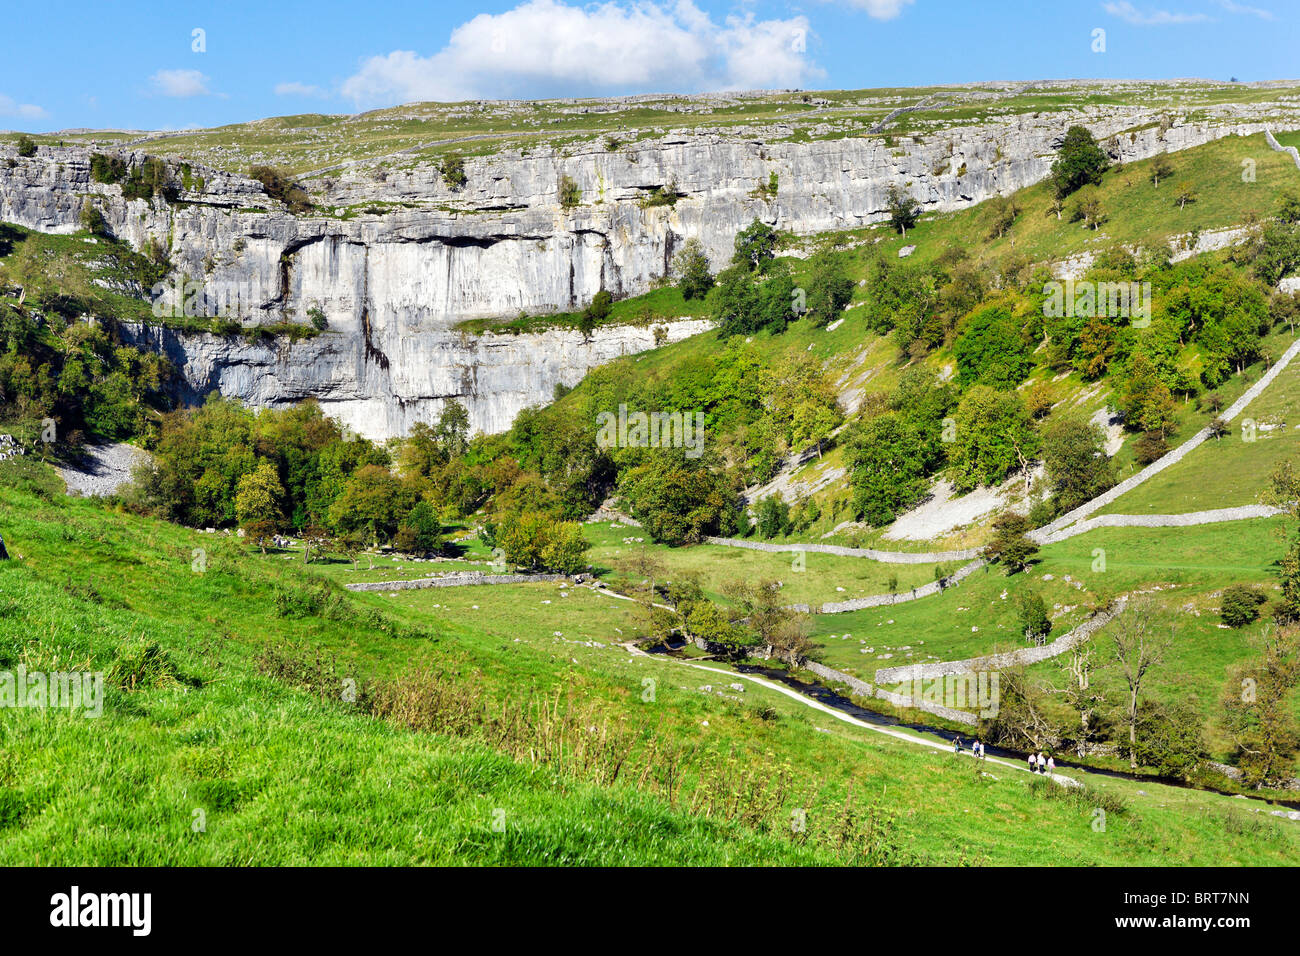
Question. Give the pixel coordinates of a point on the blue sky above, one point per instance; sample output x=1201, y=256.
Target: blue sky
x=134, y=64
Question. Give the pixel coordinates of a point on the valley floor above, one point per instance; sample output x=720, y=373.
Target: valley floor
x=228, y=737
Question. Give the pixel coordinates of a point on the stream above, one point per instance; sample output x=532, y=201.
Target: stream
x=829, y=698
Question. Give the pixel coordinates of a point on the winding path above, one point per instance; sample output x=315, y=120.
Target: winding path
x=934, y=746
x=817, y=705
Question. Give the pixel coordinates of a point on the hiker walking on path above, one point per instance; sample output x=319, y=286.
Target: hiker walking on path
x=1033, y=764
x=1042, y=763
x=1051, y=765
x=956, y=745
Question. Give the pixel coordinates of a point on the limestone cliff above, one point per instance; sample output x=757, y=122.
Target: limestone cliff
x=396, y=258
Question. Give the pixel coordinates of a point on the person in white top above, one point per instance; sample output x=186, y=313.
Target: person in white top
x=1033, y=764
x=1051, y=765
x=1042, y=763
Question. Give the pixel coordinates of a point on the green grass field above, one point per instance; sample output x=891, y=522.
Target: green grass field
x=1228, y=471
x=810, y=578
x=1182, y=569
x=283, y=775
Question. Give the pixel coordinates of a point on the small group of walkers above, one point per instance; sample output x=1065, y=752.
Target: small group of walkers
x=976, y=748
x=1038, y=763
x=1041, y=764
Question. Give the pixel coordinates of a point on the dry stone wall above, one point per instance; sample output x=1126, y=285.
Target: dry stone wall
x=456, y=581
x=1020, y=657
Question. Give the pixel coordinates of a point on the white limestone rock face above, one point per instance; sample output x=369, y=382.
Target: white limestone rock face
x=393, y=286
x=408, y=377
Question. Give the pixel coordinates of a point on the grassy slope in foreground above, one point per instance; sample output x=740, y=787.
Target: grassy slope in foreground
x=283, y=777
x=280, y=777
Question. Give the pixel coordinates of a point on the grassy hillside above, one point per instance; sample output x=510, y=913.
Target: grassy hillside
x=235, y=711
x=1232, y=470
x=1137, y=210
x=861, y=363
x=1185, y=569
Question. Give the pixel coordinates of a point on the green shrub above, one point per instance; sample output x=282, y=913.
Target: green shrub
x=107, y=169
x=991, y=348
x=1079, y=162
x=1240, y=605
x=665, y=195
x=420, y=531
x=92, y=219
x=829, y=291
x=1012, y=546
x=280, y=187
x=1077, y=465
x=1035, y=623
x=1151, y=447
x=150, y=179
x=596, y=313
x=453, y=171
x=677, y=500
x=537, y=542
x=569, y=192
x=773, y=515
x=26, y=146
x=691, y=266
x=903, y=209
x=32, y=477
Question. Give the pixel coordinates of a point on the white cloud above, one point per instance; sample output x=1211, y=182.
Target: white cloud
x=547, y=48
x=299, y=89
x=179, y=83
x=881, y=9
x=1232, y=7
x=8, y=107
x=1131, y=14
